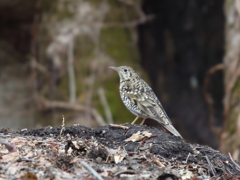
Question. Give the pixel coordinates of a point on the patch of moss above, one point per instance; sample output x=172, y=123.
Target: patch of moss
x=48, y=6
x=118, y=44
x=228, y=4
x=234, y=108
x=84, y=47
x=120, y=12
x=53, y=8
x=119, y=112
x=236, y=88
x=232, y=124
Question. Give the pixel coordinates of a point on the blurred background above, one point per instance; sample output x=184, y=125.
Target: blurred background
x=54, y=59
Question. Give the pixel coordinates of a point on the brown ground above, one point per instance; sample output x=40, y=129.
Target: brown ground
x=123, y=152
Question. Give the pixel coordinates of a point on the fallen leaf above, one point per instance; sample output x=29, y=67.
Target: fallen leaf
x=139, y=136
x=186, y=174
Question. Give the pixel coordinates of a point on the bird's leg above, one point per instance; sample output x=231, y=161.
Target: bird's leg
x=135, y=120
x=143, y=121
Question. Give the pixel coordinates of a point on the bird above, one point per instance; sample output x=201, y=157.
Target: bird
x=140, y=99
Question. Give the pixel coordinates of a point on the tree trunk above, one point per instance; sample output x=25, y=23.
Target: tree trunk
x=177, y=50
x=230, y=137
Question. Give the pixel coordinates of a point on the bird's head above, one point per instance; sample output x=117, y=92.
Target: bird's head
x=125, y=72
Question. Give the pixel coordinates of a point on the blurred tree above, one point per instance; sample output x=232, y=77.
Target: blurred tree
x=178, y=48
x=16, y=110
x=230, y=137
x=55, y=57
x=73, y=44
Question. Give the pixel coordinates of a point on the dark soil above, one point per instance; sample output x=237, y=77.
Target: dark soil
x=170, y=148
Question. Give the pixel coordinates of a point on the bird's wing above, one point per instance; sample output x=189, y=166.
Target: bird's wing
x=145, y=99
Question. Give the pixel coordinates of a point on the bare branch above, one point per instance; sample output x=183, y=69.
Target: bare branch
x=119, y=126
x=208, y=96
x=210, y=165
x=237, y=166
x=129, y=24
x=46, y=104
x=71, y=73
x=105, y=105
x=35, y=65
x=91, y=170
x=63, y=125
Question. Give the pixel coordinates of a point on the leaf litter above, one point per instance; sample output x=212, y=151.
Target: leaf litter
x=108, y=152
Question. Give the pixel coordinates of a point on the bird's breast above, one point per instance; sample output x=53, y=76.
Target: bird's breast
x=130, y=105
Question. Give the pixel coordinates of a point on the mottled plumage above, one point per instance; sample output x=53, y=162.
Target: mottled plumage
x=140, y=99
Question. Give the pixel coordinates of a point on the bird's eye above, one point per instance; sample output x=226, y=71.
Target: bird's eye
x=125, y=70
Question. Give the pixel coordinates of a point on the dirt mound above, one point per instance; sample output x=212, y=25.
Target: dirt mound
x=113, y=151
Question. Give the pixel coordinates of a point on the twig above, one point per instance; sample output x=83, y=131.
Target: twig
x=98, y=117
x=63, y=125
x=162, y=157
x=119, y=126
x=143, y=141
x=228, y=171
x=89, y=94
x=237, y=166
x=129, y=24
x=46, y=104
x=124, y=171
x=188, y=157
x=91, y=170
x=26, y=159
x=105, y=105
x=143, y=18
x=158, y=162
x=36, y=65
x=210, y=165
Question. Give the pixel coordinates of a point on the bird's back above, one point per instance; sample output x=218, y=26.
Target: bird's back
x=152, y=104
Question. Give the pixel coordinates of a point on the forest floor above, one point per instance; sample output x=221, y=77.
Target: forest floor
x=108, y=152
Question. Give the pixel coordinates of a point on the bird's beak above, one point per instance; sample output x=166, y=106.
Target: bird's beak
x=112, y=67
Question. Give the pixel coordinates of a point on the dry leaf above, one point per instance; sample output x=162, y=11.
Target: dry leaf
x=139, y=136
x=118, y=158
x=186, y=174
x=11, y=157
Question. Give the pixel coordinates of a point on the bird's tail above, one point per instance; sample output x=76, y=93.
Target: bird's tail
x=171, y=129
